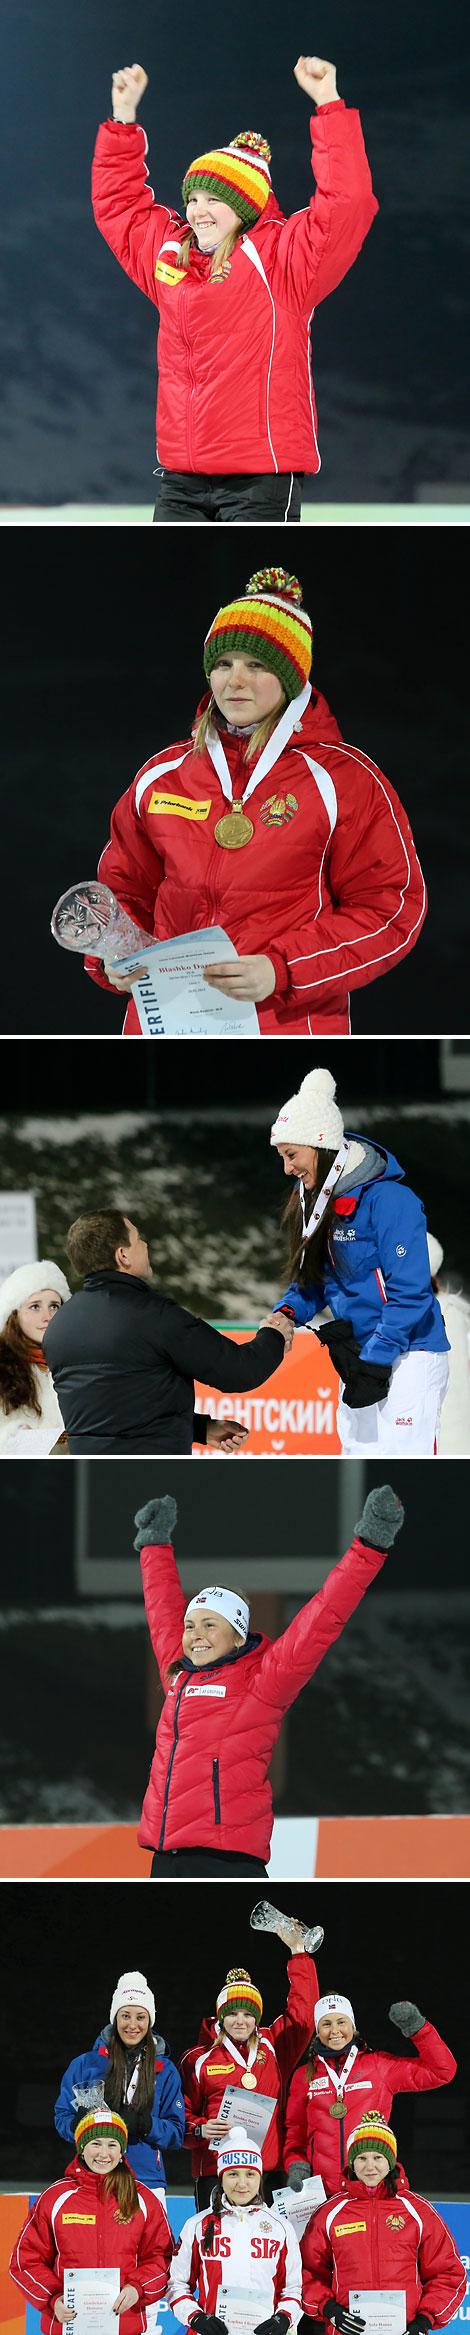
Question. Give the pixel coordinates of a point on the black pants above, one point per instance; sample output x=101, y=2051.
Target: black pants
x=276, y=2179
x=169, y=1862
x=185, y=497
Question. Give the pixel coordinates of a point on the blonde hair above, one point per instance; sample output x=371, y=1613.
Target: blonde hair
x=257, y=739
x=222, y=252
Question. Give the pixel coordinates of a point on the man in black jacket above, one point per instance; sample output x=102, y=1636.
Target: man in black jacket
x=124, y=1359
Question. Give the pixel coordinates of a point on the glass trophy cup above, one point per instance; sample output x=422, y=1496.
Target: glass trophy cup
x=89, y=920
x=268, y=1917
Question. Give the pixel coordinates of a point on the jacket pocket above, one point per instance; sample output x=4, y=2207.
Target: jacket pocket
x=216, y=1789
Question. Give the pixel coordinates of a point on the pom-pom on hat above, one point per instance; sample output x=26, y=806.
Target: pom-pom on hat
x=267, y=622
x=311, y=1116
x=27, y=1281
x=237, y=1994
x=435, y=1254
x=333, y=2002
x=236, y=2150
x=373, y=2133
x=132, y=1988
x=100, y=2124
x=237, y=174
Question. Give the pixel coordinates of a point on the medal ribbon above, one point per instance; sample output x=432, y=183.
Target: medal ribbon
x=340, y=2081
x=235, y=2054
x=275, y=746
x=323, y=1197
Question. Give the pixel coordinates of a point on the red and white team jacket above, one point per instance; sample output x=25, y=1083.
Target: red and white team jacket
x=329, y=887
x=72, y=2226
x=372, y=2081
x=216, y=2061
x=252, y=2248
x=376, y=2240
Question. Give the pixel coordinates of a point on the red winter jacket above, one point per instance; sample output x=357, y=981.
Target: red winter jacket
x=330, y=886
x=215, y=2062
x=375, y=2076
x=74, y=2227
x=235, y=391
x=208, y=1783
x=377, y=2241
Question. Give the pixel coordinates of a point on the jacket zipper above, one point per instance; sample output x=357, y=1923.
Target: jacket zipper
x=170, y=1762
x=375, y=2245
x=192, y=383
x=216, y=1789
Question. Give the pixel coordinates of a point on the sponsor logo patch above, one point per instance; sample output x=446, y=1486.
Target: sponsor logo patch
x=81, y=2217
x=166, y=274
x=346, y=2229
x=209, y=1690
x=179, y=806
x=399, y=1252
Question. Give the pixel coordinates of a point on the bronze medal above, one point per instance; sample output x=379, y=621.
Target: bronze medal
x=338, y=2108
x=249, y=2082
x=234, y=829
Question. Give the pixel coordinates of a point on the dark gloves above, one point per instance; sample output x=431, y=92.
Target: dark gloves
x=364, y=1382
x=344, y=2320
x=410, y=2020
x=138, y=2120
x=339, y=1337
x=278, y=2325
x=205, y=2323
x=155, y=1522
x=298, y=2173
x=382, y=1517
x=419, y=2325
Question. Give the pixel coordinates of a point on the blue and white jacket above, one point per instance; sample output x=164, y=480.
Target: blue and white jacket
x=168, y=2119
x=376, y=1273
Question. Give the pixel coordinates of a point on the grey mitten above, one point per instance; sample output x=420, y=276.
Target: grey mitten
x=407, y=2017
x=382, y=1517
x=156, y=1522
x=298, y=2173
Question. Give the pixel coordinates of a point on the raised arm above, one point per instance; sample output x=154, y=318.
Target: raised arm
x=165, y=1603
x=292, y=1659
x=318, y=245
x=434, y=2063
x=125, y=211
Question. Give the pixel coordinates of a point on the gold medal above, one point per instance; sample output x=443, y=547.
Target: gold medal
x=234, y=829
x=249, y=2082
x=338, y=2108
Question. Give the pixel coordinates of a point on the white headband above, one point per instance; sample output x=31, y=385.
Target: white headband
x=333, y=2002
x=223, y=1601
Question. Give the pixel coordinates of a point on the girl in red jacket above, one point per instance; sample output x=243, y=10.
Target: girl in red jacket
x=96, y=2215
x=377, y=2238
x=234, y=2048
x=236, y=285
x=342, y=2075
x=208, y=1804
x=264, y=822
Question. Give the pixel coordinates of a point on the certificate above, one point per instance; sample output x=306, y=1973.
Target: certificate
x=384, y=2312
x=297, y=2205
x=91, y=2294
x=252, y=2109
x=173, y=1000
x=241, y=2308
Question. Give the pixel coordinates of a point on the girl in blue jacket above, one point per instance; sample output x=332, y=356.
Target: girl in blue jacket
x=139, y=2079
x=361, y=1278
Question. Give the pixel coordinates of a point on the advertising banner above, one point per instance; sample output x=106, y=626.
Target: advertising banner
x=294, y=1414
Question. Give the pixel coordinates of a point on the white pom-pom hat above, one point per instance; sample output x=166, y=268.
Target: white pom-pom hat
x=311, y=1116
x=435, y=1254
x=237, y=2150
x=132, y=1989
x=27, y=1282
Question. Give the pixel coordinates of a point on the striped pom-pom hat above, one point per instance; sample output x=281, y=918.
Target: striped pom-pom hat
x=373, y=2133
x=267, y=622
x=237, y=1994
x=237, y=174
x=100, y=2124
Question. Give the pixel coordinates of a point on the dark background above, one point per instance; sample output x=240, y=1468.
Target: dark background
x=80, y=339
x=102, y=664
x=63, y=1947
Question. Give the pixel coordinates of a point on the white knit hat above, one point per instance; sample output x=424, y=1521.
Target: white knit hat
x=333, y=2002
x=27, y=1282
x=311, y=1116
x=224, y=1601
x=237, y=2149
x=435, y=1254
x=132, y=1988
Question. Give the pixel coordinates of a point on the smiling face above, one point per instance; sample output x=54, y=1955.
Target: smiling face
x=36, y=1312
x=244, y=690
x=210, y=220
x=335, y=2030
x=102, y=2155
x=132, y=2024
x=241, y=2184
x=300, y=1159
x=207, y=1636
x=239, y=2024
x=371, y=2167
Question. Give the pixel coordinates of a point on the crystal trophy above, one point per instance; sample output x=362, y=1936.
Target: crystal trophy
x=89, y=920
x=268, y=1917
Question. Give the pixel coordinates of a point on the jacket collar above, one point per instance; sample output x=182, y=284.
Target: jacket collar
x=253, y=1640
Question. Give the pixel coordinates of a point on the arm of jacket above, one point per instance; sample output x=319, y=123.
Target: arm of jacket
x=433, y=2065
x=156, y=2249
x=195, y=2103
x=442, y=2274
x=301, y=1303
x=295, y=2143
x=288, y=2284
x=291, y=2031
x=200, y=1352
x=125, y=211
x=132, y=868
x=318, y=2282
x=33, y=2258
x=377, y=900
x=167, y=2129
x=291, y=1660
x=165, y=1604
x=400, y=1226
x=184, y=2276
x=318, y=245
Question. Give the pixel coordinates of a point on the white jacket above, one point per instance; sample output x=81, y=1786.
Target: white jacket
x=22, y=1434
x=454, y=1439
x=252, y=2248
